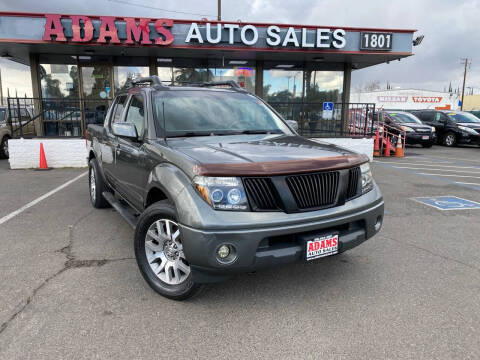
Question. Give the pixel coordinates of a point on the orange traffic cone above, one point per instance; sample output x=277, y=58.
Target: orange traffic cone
x=399, y=148
x=376, y=146
x=387, y=146
x=43, y=160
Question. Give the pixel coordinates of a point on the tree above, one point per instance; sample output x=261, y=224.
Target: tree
x=450, y=87
x=372, y=85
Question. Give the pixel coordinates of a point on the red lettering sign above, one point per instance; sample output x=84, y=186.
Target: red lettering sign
x=87, y=28
x=161, y=27
x=142, y=30
x=108, y=29
x=310, y=247
x=54, y=27
x=426, y=99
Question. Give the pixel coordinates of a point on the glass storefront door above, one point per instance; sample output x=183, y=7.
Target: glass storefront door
x=96, y=92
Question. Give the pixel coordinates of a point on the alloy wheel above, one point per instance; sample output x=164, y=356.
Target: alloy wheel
x=93, y=186
x=164, y=251
x=450, y=140
x=5, y=147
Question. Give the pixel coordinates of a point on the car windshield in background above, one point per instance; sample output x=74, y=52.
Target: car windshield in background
x=197, y=113
x=463, y=117
x=404, y=118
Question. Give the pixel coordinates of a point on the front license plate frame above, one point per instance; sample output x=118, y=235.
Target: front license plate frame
x=321, y=246
x=425, y=137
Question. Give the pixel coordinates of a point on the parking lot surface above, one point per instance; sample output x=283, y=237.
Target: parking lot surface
x=71, y=287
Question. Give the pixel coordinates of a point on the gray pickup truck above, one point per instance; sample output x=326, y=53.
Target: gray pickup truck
x=216, y=183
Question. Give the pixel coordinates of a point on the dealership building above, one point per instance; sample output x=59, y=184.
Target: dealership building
x=79, y=62
x=408, y=99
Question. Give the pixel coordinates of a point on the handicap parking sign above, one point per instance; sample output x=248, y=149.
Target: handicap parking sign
x=327, y=112
x=328, y=106
x=448, y=203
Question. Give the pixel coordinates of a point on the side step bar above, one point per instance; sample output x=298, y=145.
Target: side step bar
x=121, y=209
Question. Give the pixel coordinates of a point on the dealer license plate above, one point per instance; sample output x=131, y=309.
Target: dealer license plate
x=425, y=137
x=322, y=246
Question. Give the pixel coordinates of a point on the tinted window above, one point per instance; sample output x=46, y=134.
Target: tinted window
x=2, y=115
x=117, y=111
x=136, y=113
x=463, y=117
x=215, y=112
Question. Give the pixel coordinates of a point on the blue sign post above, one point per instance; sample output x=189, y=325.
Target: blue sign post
x=448, y=203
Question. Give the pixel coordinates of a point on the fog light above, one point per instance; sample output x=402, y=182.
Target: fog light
x=378, y=224
x=223, y=251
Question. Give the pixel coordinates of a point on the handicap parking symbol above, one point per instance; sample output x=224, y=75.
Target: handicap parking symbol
x=327, y=106
x=448, y=203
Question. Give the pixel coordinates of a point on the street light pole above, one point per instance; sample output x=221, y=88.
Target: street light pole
x=464, y=78
x=219, y=10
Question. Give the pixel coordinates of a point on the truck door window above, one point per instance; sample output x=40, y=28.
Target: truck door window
x=118, y=110
x=136, y=113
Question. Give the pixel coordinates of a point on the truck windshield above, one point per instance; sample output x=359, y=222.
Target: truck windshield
x=197, y=113
x=463, y=117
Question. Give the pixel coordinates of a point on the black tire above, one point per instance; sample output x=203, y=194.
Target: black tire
x=160, y=210
x=4, y=148
x=449, y=139
x=427, y=145
x=96, y=197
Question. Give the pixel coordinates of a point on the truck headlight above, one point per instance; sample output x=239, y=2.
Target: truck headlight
x=367, y=178
x=222, y=193
x=467, y=130
x=433, y=129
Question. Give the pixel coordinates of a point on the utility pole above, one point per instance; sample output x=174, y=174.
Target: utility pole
x=464, y=78
x=219, y=10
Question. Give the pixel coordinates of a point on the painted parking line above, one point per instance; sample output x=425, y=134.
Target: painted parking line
x=437, y=177
x=436, y=165
x=466, y=183
x=451, y=175
x=448, y=170
x=39, y=199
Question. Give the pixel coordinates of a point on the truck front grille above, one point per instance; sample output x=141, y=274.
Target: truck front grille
x=353, y=182
x=314, y=190
x=261, y=193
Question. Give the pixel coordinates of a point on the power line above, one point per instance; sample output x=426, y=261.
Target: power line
x=157, y=8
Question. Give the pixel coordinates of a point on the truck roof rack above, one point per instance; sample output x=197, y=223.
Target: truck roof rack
x=154, y=80
x=233, y=84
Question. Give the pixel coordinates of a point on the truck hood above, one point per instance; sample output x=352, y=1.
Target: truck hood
x=262, y=154
x=470, y=125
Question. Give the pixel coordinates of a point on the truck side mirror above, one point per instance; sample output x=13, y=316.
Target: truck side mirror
x=127, y=130
x=293, y=124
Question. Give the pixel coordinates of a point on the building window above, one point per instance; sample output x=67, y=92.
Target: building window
x=282, y=85
x=123, y=74
x=244, y=76
x=59, y=81
x=324, y=86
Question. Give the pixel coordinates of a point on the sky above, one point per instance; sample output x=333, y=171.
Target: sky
x=450, y=27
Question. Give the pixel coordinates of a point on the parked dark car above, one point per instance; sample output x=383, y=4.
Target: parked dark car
x=453, y=127
x=216, y=183
x=416, y=131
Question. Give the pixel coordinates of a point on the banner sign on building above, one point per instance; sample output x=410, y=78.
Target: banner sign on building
x=392, y=98
x=427, y=99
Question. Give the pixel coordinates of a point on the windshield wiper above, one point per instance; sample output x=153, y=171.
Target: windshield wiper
x=190, y=134
x=260, y=132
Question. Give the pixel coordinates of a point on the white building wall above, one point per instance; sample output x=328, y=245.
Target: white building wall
x=61, y=153
x=408, y=99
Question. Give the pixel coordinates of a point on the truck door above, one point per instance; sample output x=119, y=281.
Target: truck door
x=130, y=167
x=110, y=144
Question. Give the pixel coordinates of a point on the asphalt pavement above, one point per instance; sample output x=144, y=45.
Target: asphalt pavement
x=71, y=287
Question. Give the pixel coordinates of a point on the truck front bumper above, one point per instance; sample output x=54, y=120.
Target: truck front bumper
x=275, y=244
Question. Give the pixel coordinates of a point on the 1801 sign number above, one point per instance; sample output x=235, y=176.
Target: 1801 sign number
x=375, y=41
